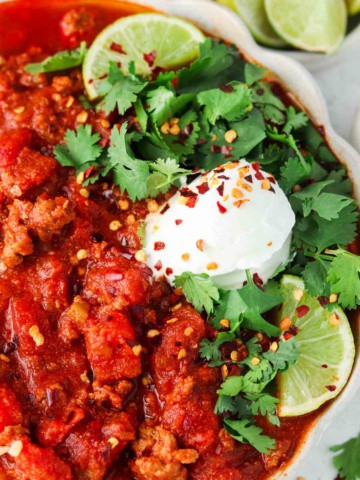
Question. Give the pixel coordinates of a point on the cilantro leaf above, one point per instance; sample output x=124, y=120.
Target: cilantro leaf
x=344, y=277
x=319, y=233
x=164, y=104
x=315, y=277
x=294, y=120
x=287, y=354
x=130, y=173
x=264, y=404
x=119, y=90
x=250, y=133
x=245, y=432
x=199, y=290
x=231, y=105
x=184, y=143
x=141, y=115
x=164, y=174
x=268, y=103
x=292, y=173
x=239, y=406
x=254, y=73
x=255, y=302
x=210, y=350
x=217, y=65
x=81, y=149
x=60, y=61
x=229, y=307
x=347, y=460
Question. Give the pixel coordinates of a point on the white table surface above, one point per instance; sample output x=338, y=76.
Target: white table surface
x=340, y=84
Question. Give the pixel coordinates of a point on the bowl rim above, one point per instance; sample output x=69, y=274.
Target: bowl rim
x=219, y=21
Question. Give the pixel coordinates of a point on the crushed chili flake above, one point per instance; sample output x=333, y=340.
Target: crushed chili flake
x=302, y=311
x=257, y=280
x=150, y=58
x=256, y=166
x=294, y=330
x=226, y=149
x=169, y=271
x=259, y=176
x=260, y=91
x=115, y=47
x=159, y=246
x=227, y=88
x=186, y=192
x=271, y=180
x=165, y=209
x=220, y=189
x=221, y=208
x=203, y=188
x=191, y=202
x=323, y=301
x=223, y=177
x=331, y=388
x=324, y=366
x=188, y=129
x=287, y=336
x=248, y=178
x=215, y=148
x=178, y=221
x=158, y=265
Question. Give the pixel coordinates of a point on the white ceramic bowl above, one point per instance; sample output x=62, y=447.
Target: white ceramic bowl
x=222, y=23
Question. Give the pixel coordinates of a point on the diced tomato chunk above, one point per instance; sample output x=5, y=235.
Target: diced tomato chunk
x=11, y=144
x=10, y=409
x=35, y=463
x=109, y=345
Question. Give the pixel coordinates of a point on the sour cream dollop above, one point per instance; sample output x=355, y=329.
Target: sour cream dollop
x=226, y=221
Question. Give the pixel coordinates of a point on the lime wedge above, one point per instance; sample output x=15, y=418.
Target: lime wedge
x=167, y=42
x=228, y=3
x=353, y=6
x=327, y=352
x=314, y=25
x=253, y=14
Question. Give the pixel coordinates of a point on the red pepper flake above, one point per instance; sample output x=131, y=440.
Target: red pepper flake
x=203, y=188
x=257, y=280
x=178, y=221
x=221, y=208
x=187, y=131
x=227, y=88
x=323, y=301
x=324, y=366
x=223, y=177
x=271, y=190
x=220, y=189
x=226, y=149
x=331, y=388
x=90, y=81
x=186, y=192
x=248, y=178
x=259, y=176
x=294, y=330
x=169, y=271
x=150, y=58
x=238, y=203
x=271, y=180
x=159, y=246
x=287, y=336
x=256, y=166
x=191, y=202
x=158, y=265
x=103, y=76
x=260, y=91
x=165, y=209
x=115, y=47
x=215, y=148
x=302, y=311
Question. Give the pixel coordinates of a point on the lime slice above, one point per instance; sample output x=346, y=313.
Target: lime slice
x=254, y=16
x=228, y=3
x=327, y=352
x=354, y=6
x=314, y=25
x=168, y=42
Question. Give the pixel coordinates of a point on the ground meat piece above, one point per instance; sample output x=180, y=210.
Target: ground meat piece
x=17, y=241
x=49, y=216
x=73, y=320
x=158, y=455
x=109, y=344
x=275, y=458
x=31, y=170
x=115, y=282
x=10, y=409
x=77, y=24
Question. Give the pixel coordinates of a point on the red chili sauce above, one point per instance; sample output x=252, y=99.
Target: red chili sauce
x=84, y=392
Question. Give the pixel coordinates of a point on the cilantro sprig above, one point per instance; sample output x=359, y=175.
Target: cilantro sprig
x=347, y=459
x=60, y=61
